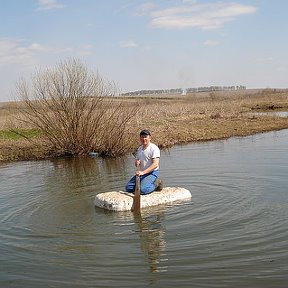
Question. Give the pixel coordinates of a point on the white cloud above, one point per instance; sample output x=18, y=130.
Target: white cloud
x=128, y=44
x=211, y=43
x=49, y=4
x=189, y=1
x=204, y=16
x=146, y=8
x=268, y=59
x=86, y=50
x=13, y=52
x=19, y=59
x=283, y=68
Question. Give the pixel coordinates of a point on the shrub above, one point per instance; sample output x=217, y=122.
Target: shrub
x=76, y=111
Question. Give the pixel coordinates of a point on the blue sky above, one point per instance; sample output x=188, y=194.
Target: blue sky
x=148, y=44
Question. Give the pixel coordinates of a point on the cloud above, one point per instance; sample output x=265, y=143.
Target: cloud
x=13, y=52
x=146, y=8
x=268, y=59
x=19, y=59
x=193, y=15
x=86, y=50
x=128, y=44
x=48, y=4
x=283, y=69
x=211, y=43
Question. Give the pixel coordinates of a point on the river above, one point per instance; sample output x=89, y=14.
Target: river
x=233, y=233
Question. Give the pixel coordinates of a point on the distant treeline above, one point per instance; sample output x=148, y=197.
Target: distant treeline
x=185, y=90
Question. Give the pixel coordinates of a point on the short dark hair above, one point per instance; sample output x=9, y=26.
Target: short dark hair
x=145, y=132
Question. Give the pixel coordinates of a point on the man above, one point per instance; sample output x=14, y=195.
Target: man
x=147, y=157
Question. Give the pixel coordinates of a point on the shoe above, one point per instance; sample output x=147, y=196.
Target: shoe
x=158, y=184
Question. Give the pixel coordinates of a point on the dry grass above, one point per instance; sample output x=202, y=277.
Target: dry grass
x=179, y=119
x=209, y=116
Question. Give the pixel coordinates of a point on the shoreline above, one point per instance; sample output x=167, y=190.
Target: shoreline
x=177, y=121
x=25, y=150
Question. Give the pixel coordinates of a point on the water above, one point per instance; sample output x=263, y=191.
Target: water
x=233, y=233
x=283, y=114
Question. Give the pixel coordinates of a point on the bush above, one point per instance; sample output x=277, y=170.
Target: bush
x=77, y=111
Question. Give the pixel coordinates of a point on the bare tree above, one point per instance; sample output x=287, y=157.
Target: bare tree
x=77, y=111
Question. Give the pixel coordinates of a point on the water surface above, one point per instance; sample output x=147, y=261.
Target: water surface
x=233, y=233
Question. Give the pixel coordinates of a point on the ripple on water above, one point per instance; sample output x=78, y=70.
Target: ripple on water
x=232, y=233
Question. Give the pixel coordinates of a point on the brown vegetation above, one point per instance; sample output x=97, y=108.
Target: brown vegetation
x=178, y=119
x=210, y=116
x=75, y=111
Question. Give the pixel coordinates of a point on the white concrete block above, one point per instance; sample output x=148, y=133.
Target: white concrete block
x=122, y=201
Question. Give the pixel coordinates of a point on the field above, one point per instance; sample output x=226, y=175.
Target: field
x=172, y=119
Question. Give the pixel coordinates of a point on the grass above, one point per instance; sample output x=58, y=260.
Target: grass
x=19, y=134
x=177, y=120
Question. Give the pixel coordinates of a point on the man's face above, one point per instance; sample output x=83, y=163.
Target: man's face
x=145, y=139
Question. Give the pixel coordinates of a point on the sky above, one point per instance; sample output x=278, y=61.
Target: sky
x=157, y=44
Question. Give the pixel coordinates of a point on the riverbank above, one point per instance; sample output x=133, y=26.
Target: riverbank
x=172, y=119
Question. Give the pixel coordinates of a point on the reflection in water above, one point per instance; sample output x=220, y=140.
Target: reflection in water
x=152, y=240
x=149, y=230
x=233, y=233
x=86, y=171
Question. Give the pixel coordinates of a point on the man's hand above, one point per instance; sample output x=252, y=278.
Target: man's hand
x=139, y=173
x=137, y=163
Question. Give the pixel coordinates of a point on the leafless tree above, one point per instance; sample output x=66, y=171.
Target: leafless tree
x=77, y=111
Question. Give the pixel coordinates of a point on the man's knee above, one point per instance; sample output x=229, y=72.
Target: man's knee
x=147, y=190
x=129, y=188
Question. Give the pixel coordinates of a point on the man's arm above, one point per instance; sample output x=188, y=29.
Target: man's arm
x=153, y=166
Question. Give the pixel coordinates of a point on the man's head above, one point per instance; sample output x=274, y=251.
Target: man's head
x=144, y=133
x=145, y=137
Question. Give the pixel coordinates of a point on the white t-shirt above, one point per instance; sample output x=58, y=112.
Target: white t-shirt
x=146, y=155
